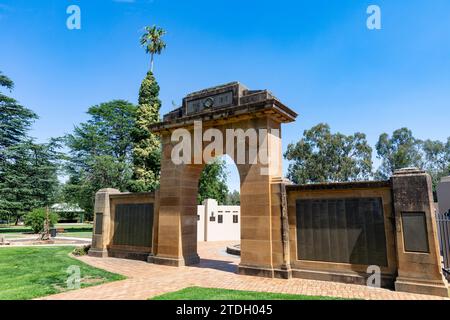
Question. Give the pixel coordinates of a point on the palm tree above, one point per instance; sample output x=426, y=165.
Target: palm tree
x=152, y=41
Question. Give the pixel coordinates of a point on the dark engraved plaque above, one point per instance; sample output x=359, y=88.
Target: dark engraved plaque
x=415, y=232
x=98, y=223
x=133, y=225
x=214, y=101
x=341, y=231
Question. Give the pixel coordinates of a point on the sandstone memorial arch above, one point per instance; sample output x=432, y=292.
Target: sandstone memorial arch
x=329, y=231
x=225, y=107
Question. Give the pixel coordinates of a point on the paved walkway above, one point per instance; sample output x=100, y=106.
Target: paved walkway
x=216, y=270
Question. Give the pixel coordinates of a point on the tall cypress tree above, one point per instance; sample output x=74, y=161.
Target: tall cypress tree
x=147, y=146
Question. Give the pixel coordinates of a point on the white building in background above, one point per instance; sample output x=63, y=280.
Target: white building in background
x=218, y=223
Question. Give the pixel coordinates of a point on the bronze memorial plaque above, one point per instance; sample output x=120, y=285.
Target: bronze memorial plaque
x=133, y=225
x=98, y=223
x=415, y=232
x=341, y=231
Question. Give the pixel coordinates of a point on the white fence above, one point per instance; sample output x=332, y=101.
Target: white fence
x=443, y=224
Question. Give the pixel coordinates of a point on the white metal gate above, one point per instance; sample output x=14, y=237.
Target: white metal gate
x=443, y=224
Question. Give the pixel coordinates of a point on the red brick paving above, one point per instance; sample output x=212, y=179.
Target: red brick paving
x=216, y=270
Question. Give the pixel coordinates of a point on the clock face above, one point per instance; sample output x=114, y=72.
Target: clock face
x=208, y=102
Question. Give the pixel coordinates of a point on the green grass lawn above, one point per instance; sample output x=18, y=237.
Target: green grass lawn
x=71, y=230
x=74, y=225
x=18, y=229
x=29, y=272
x=87, y=235
x=197, y=293
x=82, y=234
x=70, y=227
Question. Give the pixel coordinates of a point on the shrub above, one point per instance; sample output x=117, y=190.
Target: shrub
x=36, y=219
x=81, y=251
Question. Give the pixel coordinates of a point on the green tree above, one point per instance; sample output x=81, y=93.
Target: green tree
x=43, y=171
x=147, y=146
x=401, y=150
x=321, y=156
x=437, y=159
x=213, y=182
x=152, y=41
x=233, y=198
x=36, y=219
x=16, y=191
x=29, y=178
x=100, y=153
x=78, y=191
x=28, y=171
x=15, y=120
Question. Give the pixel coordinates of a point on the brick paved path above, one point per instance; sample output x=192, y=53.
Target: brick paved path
x=216, y=270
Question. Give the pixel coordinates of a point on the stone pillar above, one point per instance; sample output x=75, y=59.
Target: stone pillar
x=262, y=250
x=177, y=225
x=280, y=230
x=256, y=226
x=102, y=223
x=419, y=260
x=155, y=228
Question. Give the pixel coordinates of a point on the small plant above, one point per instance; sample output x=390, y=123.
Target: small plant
x=36, y=219
x=81, y=251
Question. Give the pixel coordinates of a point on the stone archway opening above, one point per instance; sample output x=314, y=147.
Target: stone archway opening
x=219, y=215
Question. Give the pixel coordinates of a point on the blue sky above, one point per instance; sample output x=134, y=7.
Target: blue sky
x=316, y=56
